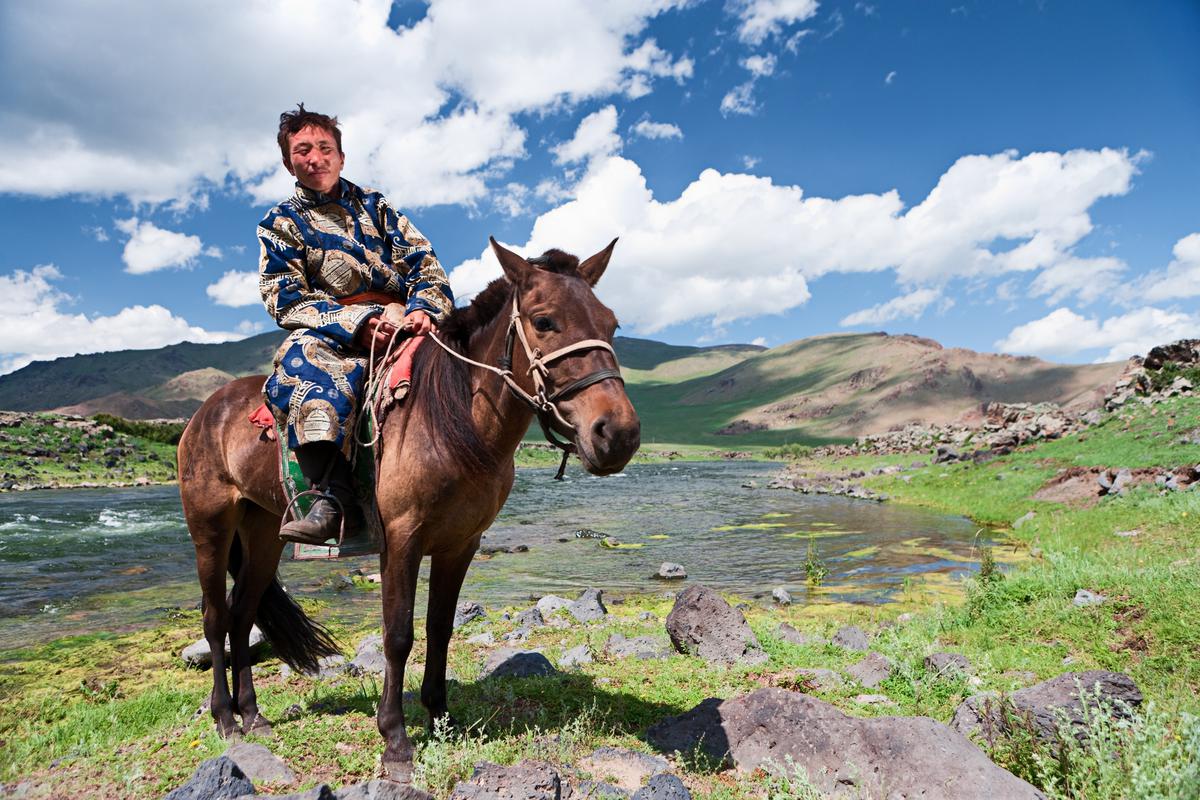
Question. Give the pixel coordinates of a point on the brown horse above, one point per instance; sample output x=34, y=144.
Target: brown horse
x=445, y=470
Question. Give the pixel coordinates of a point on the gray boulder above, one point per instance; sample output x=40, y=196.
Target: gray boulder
x=506, y=663
x=781, y=596
x=217, y=778
x=598, y=790
x=322, y=792
x=872, y=670
x=819, y=678
x=466, y=611
x=851, y=637
x=773, y=729
x=947, y=664
x=670, y=571
x=1042, y=707
x=369, y=658
x=589, y=607
x=793, y=636
x=641, y=647
x=551, y=603
x=1086, y=597
x=663, y=787
x=260, y=764
x=529, y=618
x=703, y=624
x=575, y=657
x=528, y=780
x=198, y=655
x=381, y=790
x=627, y=769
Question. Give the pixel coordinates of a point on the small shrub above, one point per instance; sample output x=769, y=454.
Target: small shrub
x=789, y=452
x=165, y=432
x=814, y=568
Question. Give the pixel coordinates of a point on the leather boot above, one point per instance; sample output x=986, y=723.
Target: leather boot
x=327, y=470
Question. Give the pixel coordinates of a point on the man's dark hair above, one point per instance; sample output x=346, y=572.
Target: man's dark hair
x=295, y=121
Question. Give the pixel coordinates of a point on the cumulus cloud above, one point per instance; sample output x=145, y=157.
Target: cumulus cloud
x=1089, y=279
x=235, y=289
x=151, y=248
x=734, y=246
x=740, y=99
x=908, y=306
x=596, y=136
x=1180, y=279
x=35, y=327
x=1063, y=333
x=656, y=130
x=89, y=120
x=760, y=19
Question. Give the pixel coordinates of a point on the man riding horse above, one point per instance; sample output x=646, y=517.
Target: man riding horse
x=344, y=272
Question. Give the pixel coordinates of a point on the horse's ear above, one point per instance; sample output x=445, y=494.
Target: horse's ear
x=516, y=269
x=594, y=267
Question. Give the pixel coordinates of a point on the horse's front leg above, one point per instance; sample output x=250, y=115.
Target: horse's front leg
x=400, y=562
x=445, y=582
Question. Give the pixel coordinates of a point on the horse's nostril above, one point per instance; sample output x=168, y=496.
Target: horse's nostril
x=600, y=428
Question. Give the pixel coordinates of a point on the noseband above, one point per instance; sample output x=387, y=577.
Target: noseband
x=543, y=402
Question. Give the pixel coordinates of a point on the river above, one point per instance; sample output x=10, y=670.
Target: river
x=75, y=561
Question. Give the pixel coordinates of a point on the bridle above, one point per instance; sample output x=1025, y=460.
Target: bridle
x=542, y=402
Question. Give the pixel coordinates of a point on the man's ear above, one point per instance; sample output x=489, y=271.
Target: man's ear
x=516, y=269
x=594, y=267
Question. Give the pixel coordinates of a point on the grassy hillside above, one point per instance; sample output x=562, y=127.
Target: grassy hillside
x=130, y=373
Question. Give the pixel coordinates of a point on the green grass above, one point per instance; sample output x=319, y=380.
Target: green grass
x=39, y=452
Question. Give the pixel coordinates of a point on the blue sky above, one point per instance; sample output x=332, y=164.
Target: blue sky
x=1016, y=176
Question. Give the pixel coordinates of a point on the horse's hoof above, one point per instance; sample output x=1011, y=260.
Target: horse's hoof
x=228, y=729
x=398, y=771
x=261, y=726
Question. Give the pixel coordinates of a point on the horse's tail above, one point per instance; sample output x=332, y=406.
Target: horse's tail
x=295, y=639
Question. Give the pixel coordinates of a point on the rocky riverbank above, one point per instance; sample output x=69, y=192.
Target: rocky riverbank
x=52, y=451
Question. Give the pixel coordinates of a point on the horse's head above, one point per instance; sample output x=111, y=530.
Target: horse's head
x=560, y=312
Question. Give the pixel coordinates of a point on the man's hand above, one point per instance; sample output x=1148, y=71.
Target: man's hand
x=377, y=332
x=417, y=323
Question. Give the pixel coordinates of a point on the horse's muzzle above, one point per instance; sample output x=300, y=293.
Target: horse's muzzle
x=609, y=440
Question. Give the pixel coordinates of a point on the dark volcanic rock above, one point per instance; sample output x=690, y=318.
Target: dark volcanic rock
x=641, y=647
x=260, y=764
x=215, y=779
x=466, y=611
x=773, y=729
x=663, y=787
x=703, y=624
x=589, y=607
x=947, y=663
x=381, y=790
x=1042, y=706
x=528, y=780
x=872, y=670
x=627, y=768
x=517, y=664
x=851, y=637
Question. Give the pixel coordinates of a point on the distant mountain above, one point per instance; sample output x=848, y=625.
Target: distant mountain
x=818, y=389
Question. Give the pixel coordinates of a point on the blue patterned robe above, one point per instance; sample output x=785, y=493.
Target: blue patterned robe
x=317, y=250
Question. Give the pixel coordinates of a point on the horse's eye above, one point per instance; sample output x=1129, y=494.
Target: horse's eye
x=543, y=324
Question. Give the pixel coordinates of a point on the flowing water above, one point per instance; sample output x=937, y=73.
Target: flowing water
x=76, y=561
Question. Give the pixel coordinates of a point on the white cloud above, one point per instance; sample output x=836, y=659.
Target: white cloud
x=735, y=246
x=740, y=100
x=760, y=66
x=891, y=76
x=96, y=232
x=596, y=136
x=1180, y=279
x=760, y=19
x=760, y=341
x=750, y=162
x=1089, y=279
x=1062, y=333
x=656, y=130
x=235, y=289
x=35, y=327
x=151, y=248
x=150, y=146
x=908, y=306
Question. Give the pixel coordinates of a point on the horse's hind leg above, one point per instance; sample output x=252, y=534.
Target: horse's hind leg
x=212, y=535
x=445, y=581
x=258, y=535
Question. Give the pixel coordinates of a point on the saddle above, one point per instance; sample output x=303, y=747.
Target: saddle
x=362, y=533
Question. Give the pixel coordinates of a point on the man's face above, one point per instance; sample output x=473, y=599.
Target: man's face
x=314, y=159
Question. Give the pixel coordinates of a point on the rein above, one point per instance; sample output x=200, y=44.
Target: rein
x=541, y=402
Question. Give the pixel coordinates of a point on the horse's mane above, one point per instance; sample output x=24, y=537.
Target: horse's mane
x=442, y=384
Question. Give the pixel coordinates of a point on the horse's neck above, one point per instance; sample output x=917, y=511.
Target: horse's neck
x=500, y=419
